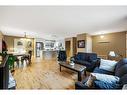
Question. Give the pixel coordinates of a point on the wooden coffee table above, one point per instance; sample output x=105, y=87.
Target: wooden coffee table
x=76, y=67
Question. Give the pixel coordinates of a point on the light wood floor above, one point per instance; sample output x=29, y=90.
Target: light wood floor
x=44, y=74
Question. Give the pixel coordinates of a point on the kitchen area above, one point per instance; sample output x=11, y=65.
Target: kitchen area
x=48, y=49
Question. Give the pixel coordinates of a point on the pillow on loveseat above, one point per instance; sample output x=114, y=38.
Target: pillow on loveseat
x=103, y=81
x=108, y=65
x=90, y=81
x=102, y=71
x=105, y=85
x=106, y=78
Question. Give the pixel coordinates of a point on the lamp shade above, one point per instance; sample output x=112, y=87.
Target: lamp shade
x=112, y=53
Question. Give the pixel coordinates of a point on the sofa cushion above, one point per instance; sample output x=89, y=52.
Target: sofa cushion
x=106, y=78
x=107, y=65
x=101, y=71
x=105, y=81
x=80, y=56
x=105, y=85
x=90, y=81
x=86, y=56
x=92, y=56
x=85, y=63
x=77, y=57
x=87, y=60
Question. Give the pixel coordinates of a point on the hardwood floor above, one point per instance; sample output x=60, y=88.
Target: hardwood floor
x=44, y=74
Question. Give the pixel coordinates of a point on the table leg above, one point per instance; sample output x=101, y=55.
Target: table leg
x=79, y=76
x=60, y=68
x=85, y=72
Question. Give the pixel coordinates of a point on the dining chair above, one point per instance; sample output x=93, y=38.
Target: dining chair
x=27, y=57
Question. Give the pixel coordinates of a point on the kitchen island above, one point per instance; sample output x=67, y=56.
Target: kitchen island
x=49, y=54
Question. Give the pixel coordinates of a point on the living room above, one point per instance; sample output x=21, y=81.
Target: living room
x=51, y=52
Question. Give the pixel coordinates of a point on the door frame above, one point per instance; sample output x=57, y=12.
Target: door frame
x=40, y=49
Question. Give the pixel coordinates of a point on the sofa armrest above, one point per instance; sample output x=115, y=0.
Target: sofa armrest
x=92, y=65
x=124, y=87
x=80, y=86
x=97, y=62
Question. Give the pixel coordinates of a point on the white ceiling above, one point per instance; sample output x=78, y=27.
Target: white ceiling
x=58, y=22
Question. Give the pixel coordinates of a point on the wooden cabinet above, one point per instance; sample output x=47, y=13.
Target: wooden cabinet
x=4, y=74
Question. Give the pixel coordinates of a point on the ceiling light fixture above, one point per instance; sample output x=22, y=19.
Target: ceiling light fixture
x=102, y=36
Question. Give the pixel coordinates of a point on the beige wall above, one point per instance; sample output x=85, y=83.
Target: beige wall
x=111, y=42
x=10, y=42
x=88, y=42
x=81, y=37
x=1, y=36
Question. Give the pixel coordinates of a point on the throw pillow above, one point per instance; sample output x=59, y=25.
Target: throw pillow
x=104, y=85
x=90, y=80
x=105, y=81
x=106, y=78
x=107, y=65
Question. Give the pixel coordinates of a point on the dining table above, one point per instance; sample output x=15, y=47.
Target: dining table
x=18, y=53
x=19, y=56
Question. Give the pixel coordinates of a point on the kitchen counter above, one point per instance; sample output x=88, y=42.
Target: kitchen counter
x=49, y=54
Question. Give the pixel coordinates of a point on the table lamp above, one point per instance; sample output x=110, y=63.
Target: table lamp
x=112, y=54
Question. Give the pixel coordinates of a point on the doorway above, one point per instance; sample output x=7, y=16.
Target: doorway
x=39, y=48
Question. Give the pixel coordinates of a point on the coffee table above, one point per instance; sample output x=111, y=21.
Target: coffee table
x=76, y=67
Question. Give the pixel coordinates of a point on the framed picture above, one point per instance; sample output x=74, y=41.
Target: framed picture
x=29, y=44
x=19, y=45
x=81, y=44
